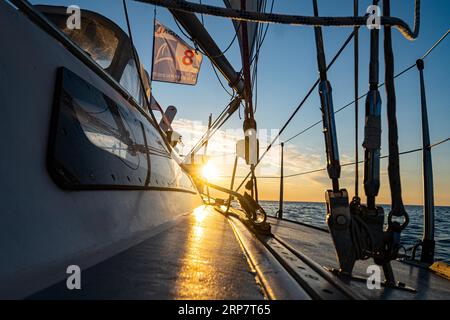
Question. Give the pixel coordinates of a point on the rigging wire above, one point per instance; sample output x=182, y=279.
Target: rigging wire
x=436, y=44
x=260, y=40
x=254, y=78
x=416, y=26
x=356, y=89
x=348, y=163
x=340, y=109
x=220, y=81
x=232, y=40
x=362, y=161
x=233, y=94
x=255, y=56
x=217, y=124
x=254, y=59
x=344, y=45
x=198, y=49
x=141, y=80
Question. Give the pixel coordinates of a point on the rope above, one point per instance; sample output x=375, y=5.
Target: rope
x=397, y=207
x=181, y=5
x=361, y=238
x=208, y=133
x=256, y=214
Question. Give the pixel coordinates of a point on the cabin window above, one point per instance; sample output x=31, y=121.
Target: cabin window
x=130, y=81
x=98, y=41
x=100, y=143
x=108, y=45
x=104, y=126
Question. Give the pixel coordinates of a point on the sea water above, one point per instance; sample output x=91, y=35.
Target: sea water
x=313, y=213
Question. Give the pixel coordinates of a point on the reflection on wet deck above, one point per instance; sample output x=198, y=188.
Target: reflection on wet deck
x=198, y=258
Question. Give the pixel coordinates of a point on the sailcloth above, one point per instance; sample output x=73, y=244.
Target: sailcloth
x=252, y=27
x=173, y=59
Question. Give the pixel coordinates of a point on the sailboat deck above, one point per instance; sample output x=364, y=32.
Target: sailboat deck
x=206, y=255
x=197, y=258
x=317, y=245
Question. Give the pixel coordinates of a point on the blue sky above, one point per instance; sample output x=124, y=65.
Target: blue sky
x=286, y=71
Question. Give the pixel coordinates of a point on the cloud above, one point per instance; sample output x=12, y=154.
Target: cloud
x=297, y=158
x=221, y=145
x=221, y=150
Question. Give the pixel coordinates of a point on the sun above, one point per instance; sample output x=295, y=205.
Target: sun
x=209, y=171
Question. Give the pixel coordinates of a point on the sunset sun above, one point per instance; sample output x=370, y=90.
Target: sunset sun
x=209, y=171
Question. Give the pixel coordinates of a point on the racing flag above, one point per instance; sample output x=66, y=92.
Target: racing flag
x=173, y=59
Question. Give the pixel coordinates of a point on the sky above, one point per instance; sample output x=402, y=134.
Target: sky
x=286, y=71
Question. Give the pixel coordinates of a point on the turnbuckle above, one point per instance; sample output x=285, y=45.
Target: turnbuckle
x=329, y=131
x=372, y=144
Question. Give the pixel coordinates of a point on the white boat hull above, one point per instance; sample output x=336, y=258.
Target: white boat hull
x=44, y=228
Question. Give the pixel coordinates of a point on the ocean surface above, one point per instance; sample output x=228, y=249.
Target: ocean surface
x=314, y=213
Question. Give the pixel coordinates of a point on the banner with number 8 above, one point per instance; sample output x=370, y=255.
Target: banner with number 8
x=173, y=59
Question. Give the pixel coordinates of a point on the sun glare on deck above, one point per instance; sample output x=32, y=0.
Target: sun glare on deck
x=200, y=213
